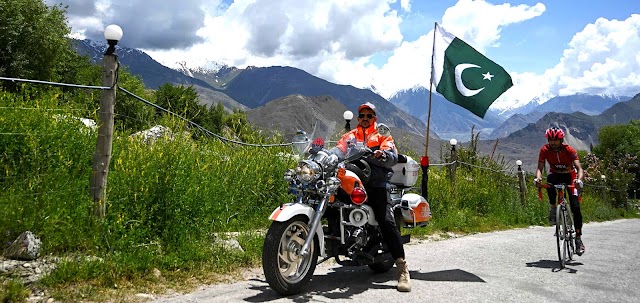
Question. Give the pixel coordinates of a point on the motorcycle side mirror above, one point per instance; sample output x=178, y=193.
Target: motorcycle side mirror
x=351, y=142
x=300, y=142
x=384, y=130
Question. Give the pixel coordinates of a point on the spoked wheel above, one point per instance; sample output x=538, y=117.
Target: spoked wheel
x=571, y=235
x=562, y=235
x=284, y=268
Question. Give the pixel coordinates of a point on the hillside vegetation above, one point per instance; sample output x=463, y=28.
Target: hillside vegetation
x=171, y=201
x=168, y=199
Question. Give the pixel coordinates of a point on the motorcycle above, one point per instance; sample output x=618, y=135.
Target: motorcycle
x=329, y=216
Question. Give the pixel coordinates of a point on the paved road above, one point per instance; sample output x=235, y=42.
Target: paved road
x=508, y=266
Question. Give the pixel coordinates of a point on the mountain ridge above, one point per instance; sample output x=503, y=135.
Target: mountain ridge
x=253, y=90
x=581, y=131
x=255, y=86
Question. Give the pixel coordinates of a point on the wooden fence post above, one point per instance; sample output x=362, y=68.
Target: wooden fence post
x=521, y=182
x=604, y=188
x=454, y=160
x=102, y=156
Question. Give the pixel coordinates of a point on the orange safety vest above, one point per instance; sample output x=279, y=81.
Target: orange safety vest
x=370, y=137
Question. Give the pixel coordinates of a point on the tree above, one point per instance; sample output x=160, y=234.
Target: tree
x=180, y=100
x=34, y=43
x=214, y=118
x=238, y=125
x=131, y=113
x=618, y=148
x=184, y=101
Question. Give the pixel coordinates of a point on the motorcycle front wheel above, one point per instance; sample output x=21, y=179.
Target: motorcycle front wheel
x=284, y=268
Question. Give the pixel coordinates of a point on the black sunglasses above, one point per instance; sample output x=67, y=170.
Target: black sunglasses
x=369, y=116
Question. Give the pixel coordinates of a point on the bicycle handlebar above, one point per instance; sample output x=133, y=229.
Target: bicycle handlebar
x=558, y=186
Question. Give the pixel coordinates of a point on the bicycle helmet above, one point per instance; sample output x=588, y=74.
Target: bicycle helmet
x=554, y=133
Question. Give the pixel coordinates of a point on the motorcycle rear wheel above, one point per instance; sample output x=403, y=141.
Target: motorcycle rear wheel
x=285, y=270
x=387, y=265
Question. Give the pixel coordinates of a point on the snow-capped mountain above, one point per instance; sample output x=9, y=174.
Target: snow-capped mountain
x=211, y=67
x=257, y=86
x=449, y=120
x=519, y=107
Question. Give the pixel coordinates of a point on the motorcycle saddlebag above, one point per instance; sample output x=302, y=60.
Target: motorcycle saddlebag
x=420, y=213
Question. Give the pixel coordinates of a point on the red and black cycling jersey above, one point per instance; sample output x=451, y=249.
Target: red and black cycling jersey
x=560, y=161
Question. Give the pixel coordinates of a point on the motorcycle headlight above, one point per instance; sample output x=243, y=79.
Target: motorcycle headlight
x=326, y=160
x=308, y=171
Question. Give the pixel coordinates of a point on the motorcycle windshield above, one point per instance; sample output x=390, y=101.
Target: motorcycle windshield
x=300, y=143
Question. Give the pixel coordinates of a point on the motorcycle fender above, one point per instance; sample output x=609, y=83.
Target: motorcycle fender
x=290, y=210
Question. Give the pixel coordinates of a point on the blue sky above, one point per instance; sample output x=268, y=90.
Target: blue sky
x=546, y=37
x=542, y=38
x=550, y=48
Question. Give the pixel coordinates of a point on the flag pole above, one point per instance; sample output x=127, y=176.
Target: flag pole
x=424, y=161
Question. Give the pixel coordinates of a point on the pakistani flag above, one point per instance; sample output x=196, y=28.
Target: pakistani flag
x=464, y=76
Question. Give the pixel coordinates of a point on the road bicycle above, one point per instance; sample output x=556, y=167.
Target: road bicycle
x=565, y=231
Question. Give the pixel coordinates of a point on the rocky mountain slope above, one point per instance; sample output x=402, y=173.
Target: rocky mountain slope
x=322, y=117
x=581, y=132
x=287, y=99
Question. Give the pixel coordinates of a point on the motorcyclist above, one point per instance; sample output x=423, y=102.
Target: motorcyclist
x=563, y=164
x=384, y=157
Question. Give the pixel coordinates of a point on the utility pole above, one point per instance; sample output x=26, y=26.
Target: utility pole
x=102, y=156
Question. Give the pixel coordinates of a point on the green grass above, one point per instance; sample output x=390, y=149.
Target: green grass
x=13, y=291
x=168, y=199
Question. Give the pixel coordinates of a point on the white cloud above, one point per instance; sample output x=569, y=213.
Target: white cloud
x=406, y=5
x=476, y=22
x=602, y=59
x=300, y=33
x=339, y=40
x=479, y=23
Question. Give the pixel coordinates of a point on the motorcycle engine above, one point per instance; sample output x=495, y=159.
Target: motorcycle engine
x=357, y=238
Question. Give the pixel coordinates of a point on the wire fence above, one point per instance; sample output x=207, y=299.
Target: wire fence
x=512, y=171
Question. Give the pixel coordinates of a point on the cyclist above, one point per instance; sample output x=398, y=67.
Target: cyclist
x=563, y=164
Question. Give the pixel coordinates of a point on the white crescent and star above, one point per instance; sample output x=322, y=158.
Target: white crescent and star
x=460, y=85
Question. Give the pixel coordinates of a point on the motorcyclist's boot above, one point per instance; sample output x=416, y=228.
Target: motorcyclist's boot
x=404, y=281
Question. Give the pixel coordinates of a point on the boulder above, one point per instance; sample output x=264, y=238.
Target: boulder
x=153, y=133
x=25, y=247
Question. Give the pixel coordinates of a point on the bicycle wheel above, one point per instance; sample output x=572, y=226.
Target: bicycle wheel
x=561, y=235
x=571, y=234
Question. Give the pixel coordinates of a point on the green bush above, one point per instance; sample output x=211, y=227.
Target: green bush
x=13, y=291
x=45, y=155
